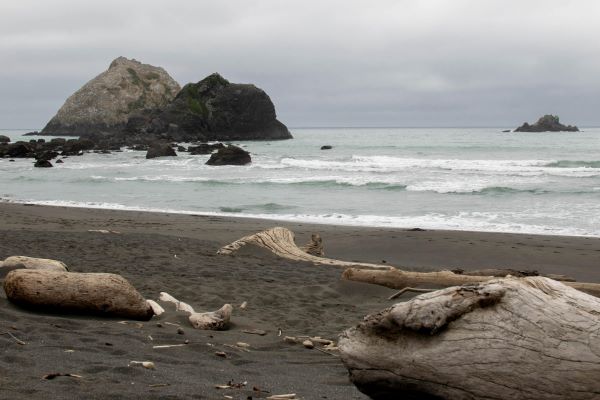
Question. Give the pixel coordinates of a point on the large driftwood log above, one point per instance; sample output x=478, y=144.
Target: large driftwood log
x=507, y=338
x=398, y=279
x=281, y=242
x=71, y=292
x=15, y=262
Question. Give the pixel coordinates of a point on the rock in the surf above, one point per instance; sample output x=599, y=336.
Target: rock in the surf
x=160, y=150
x=230, y=155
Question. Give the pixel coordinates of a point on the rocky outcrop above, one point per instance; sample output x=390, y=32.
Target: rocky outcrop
x=230, y=155
x=547, y=123
x=214, y=109
x=205, y=148
x=42, y=164
x=160, y=150
x=105, y=103
x=4, y=139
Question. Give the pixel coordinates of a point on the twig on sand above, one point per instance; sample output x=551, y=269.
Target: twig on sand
x=409, y=289
x=166, y=346
x=56, y=374
x=16, y=339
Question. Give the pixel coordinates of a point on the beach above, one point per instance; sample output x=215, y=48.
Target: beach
x=176, y=253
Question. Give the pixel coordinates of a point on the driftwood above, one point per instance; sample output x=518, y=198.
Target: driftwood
x=215, y=320
x=503, y=272
x=398, y=279
x=17, y=262
x=315, y=246
x=281, y=242
x=72, y=292
x=507, y=338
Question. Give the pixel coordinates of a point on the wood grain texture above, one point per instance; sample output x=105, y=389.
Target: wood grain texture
x=72, y=292
x=281, y=242
x=398, y=279
x=507, y=338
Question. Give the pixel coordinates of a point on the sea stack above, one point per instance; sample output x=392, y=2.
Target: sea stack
x=547, y=123
x=214, y=109
x=104, y=104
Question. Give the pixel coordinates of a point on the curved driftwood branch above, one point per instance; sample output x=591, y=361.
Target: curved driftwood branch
x=281, y=242
x=213, y=320
x=508, y=338
x=398, y=279
x=72, y=292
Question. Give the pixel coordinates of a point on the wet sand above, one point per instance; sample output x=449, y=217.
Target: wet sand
x=177, y=254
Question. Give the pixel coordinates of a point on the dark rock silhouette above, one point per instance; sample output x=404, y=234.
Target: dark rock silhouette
x=214, y=109
x=230, y=155
x=160, y=150
x=547, y=123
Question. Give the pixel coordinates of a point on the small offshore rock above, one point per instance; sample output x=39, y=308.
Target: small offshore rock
x=180, y=331
x=160, y=150
x=42, y=164
x=308, y=344
x=326, y=147
x=230, y=155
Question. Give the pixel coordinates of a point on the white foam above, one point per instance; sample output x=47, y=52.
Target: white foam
x=463, y=221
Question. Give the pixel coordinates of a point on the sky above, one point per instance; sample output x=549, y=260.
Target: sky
x=323, y=63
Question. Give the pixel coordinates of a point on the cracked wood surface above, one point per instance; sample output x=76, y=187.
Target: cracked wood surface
x=507, y=338
x=281, y=242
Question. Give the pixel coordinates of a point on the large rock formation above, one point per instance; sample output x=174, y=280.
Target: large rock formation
x=214, y=109
x=105, y=103
x=547, y=123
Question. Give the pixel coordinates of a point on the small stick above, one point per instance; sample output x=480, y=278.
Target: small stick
x=165, y=346
x=410, y=289
x=16, y=339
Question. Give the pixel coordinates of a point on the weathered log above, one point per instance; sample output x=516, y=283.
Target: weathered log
x=315, y=246
x=15, y=262
x=213, y=320
x=507, y=338
x=502, y=272
x=281, y=242
x=72, y=292
x=398, y=279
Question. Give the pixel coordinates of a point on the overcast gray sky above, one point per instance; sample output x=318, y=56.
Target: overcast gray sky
x=324, y=63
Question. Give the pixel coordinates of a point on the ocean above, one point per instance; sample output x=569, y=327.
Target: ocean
x=478, y=179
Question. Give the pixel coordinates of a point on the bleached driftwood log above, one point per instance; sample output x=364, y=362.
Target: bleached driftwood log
x=281, y=242
x=315, y=246
x=398, y=279
x=15, y=262
x=502, y=272
x=214, y=320
x=72, y=292
x=507, y=338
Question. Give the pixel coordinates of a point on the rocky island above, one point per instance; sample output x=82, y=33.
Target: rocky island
x=135, y=103
x=213, y=109
x=547, y=123
x=104, y=104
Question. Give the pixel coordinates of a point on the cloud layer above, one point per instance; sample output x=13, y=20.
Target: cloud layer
x=326, y=63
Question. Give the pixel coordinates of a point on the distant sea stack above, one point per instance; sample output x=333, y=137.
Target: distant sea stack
x=213, y=109
x=547, y=123
x=104, y=104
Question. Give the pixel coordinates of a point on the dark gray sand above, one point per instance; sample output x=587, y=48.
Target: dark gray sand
x=176, y=254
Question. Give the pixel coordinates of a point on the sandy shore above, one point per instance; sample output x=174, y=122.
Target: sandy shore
x=176, y=253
